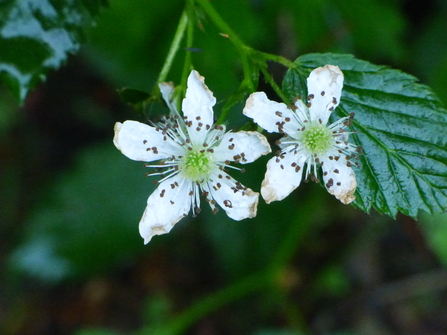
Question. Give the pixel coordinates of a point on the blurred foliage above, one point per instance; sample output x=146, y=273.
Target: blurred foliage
x=435, y=230
x=93, y=205
x=78, y=221
x=36, y=36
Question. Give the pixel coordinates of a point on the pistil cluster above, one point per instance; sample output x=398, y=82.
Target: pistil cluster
x=309, y=142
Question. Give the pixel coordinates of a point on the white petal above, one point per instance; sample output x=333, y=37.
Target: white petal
x=198, y=108
x=283, y=175
x=324, y=85
x=169, y=203
x=167, y=91
x=339, y=179
x=270, y=115
x=243, y=147
x=141, y=142
x=238, y=202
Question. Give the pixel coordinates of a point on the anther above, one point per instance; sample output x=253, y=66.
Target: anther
x=228, y=203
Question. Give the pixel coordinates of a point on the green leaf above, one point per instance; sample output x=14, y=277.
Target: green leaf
x=401, y=126
x=36, y=36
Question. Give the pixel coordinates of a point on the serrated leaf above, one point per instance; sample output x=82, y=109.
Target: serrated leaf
x=36, y=36
x=402, y=128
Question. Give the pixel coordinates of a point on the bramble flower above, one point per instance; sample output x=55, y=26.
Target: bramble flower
x=308, y=140
x=193, y=154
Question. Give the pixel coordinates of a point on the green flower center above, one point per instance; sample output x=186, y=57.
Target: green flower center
x=317, y=138
x=197, y=166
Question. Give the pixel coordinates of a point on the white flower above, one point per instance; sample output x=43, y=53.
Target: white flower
x=194, y=153
x=308, y=139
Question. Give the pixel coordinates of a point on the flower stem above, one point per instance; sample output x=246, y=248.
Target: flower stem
x=276, y=58
x=189, y=44
x=175, y=45
x=269, y=278
x=240, y=46
x=274, y=85
x=233, y=292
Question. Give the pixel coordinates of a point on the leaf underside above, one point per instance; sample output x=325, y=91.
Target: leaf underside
x=401, y=126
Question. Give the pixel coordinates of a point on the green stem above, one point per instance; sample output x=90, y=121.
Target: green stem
x=233, y=99
x=268, y=278
x=276, y=58
x=175, y=45
x=274, y=85
x=215, y=301
x=240, y=46
x=189, y=44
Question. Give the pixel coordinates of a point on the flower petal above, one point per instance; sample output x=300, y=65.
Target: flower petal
x=238, y=202
x=198, y=108
x=141, y=142
x=167, y=91
x=242, y=147
x=273, y=116
x=339, y=179
x=324, y=86
x=169, y=203
x=283, y=175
